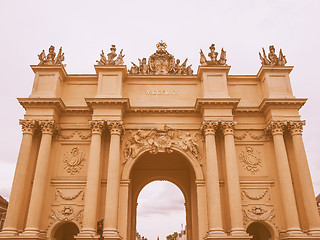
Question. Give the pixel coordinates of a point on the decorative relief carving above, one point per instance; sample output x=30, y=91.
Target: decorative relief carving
x=65, y=197
x=252, y=197
x=111, y=61
x=80, y=134
x=73, y=161
x=272, y=59
x=161, y=63
x=213, y=57
x=67, y=214
x=51, y=58
x=28, y=126
x=251, y=135
x=258, y=214
x=251, y=160
x=209, y=127
x=161, y=140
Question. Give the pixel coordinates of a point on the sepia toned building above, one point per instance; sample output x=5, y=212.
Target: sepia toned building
x=231, y=143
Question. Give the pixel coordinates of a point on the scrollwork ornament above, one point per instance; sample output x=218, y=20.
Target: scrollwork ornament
x=73, y=161
x=48, y=126
x=250, y=160
x=228, y=127
x=28, y=126
x=209, y=127
x=296, y=127
x=97, y=126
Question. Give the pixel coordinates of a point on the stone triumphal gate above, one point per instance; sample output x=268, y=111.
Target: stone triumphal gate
x=231, y=143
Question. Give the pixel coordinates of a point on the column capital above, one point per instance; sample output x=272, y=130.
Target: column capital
x=296, y=127
x=228, y=127
x=115, y=127
x=97, y=126
x=28, y=126
x=209, y=127
x=276, y=127
x=48, y=126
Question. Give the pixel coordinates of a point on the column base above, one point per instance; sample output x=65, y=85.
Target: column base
x=111, y=234
x=315, y=232
x=32, y=234
x=8, y=232
x=216, y=233
x=239, y=232
x=87, y=234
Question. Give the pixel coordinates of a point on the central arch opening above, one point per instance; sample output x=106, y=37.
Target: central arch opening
x=161, y=210
x=171, y=169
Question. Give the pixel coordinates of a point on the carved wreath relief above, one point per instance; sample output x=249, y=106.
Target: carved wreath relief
x=67, y=214
x=257, y=213
x=73, y=160
x=160, y=140
x=250, y=160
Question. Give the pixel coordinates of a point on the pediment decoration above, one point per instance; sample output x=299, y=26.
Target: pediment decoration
x=272, y=59
x=161, y=140
x=51, y=58
x=161, y=63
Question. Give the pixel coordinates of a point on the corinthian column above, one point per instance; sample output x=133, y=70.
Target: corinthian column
x=113, y=182
x=212, y=181
x=40, y=178
x=18, y=186
x=287, y=193
x=93, y=182
x=307, y=194
x=233, y=184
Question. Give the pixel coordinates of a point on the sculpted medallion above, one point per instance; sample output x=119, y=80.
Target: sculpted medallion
x=73, y=161
x=160, y=140
x=250, y=160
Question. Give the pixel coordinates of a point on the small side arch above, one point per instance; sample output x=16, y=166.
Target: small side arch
x=55, y=226
x=192, y=160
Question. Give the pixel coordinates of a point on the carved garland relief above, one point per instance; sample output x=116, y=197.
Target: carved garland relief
x=65, y=197
x=251, y=160
x=256, y=197
x=161, y=140
x=73, y=161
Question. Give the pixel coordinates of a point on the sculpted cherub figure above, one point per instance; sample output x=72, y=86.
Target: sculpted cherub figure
x=143, y=66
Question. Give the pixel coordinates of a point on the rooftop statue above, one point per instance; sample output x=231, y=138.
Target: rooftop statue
x=51, y=58
x=213, y=55
x=272, y=59
x=161, y=63
x=111, y=57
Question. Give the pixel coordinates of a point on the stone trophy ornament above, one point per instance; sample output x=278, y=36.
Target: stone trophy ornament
x=110, y=59
x=272, y=59
x=213, y=55
x=161, y=63
x=51, y=58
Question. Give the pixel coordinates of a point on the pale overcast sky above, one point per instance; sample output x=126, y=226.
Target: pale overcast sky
x=83, y=28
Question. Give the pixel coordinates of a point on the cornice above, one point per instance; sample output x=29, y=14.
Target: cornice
x=42, y=102
x=217, y=102
x=124, y=102
x=49, y=68
x=163, y=110
x=293, y=103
